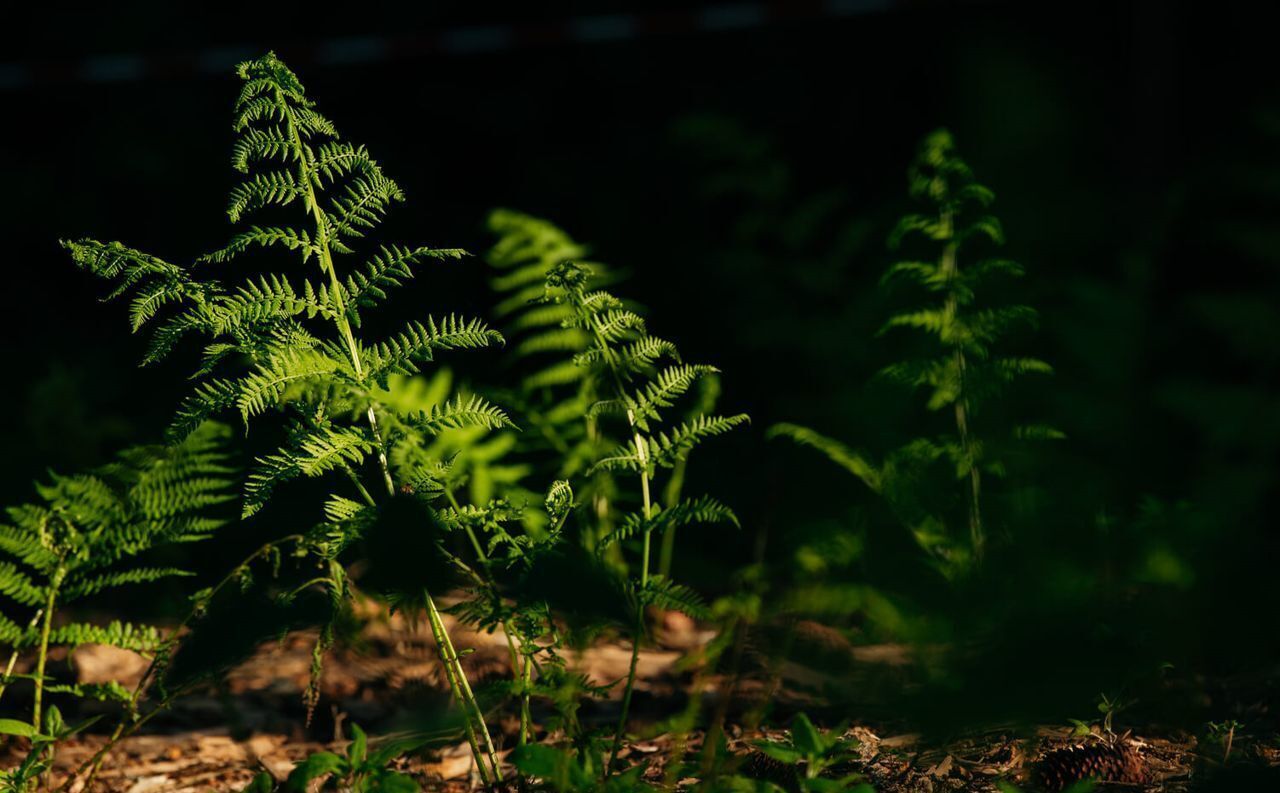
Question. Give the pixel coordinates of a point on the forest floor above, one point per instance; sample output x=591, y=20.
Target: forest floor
x=257, y=721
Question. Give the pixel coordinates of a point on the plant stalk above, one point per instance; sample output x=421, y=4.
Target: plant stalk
x=13, y=657
x=951, y=269
x=464, y=695
x=46, y=626
x=642, y=453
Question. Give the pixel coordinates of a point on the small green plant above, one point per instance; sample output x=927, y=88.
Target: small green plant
x=963, y=368
x=363, y=769
x=1109, y=706
x=44, y=742
x=276, y=345
x=1224, y=734
x=623, y=358
x=91, y=534
x=569, y=770
x=814, y=753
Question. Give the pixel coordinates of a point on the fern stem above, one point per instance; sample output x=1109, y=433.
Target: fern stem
x=355, y=480
x=456, y=675
x=42, y=657
x=325, y=254
x=642, y=453
x=13, y=657
x=527, y=681
x=643, y=456
x=951, y=269
x=671, y=497
x=457, y=678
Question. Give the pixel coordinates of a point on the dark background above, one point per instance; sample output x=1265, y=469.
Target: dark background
x=746, y=179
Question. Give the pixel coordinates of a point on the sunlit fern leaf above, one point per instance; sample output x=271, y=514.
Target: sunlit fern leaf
x=420, y=342
x=391, y=266
x=256, y=145
x=266, y=386
x=126, y=636
x=77, y=588
x=288, y=238
x=362, y=205
x=665, y=449
x=278, y=188
x=270, y=297
x=330, y=447
x=701, y=510
x=18, y=586
x=471, y=411
x=663, y=389
x=310, y=451
x=663, y=593
x=207, y=400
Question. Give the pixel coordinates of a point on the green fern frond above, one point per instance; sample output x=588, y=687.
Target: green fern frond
x=470, y=412
x=113, y=260
x=268, y=188
x=363, y=204
x=329, y=447
x=79, y=587
x=290, y=239
x=207, y=400
x=663, y=389
x=666, y=449
x=560, y=374
x=256, y=145
x=268, y=298
x=127, y=636
x=266, y=385
x=391, y=266
x=700, y=510
x=835, y=451
x=269, y=472
x=663, y=593
x=18, y=586
x=337, y=159
x=418, y=341
x=25, y=546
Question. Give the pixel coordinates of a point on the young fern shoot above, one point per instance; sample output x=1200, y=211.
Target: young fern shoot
x=624, y=358
x=964, y=367
x=277, y=344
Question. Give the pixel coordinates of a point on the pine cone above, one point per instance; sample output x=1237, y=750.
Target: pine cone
x=763, y=767
x=1103, y=762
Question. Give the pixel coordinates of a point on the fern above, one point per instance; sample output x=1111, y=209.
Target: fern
x=641, y=394
x=88, y=533
x=555, y=392
x=285, y=343
x=963, y=368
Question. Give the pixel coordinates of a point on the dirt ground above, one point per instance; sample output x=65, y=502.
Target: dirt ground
x=219, y=740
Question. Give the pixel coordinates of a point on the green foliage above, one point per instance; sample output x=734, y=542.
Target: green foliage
x=816, y=756
x=92, y=533
x=363, y=769
x=25, y=776
x=620, y=360
x=568, y=770
x=962, y=366
x=285, y=343
x=621, y=363
x=552, y=393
